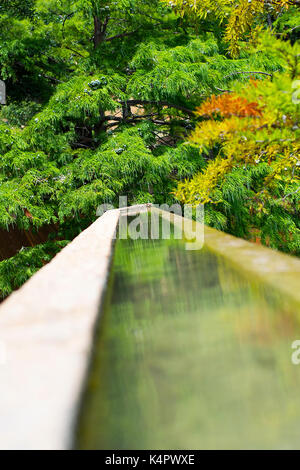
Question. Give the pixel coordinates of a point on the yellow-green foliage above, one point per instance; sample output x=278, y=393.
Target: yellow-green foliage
x=253, y=129
x=239, y=15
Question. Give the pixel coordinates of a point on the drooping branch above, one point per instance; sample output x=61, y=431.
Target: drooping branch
x=121, y=35
x=66, y=17
x=288, y=195
x=113, y=121
x=248, y=73
x=51, y=79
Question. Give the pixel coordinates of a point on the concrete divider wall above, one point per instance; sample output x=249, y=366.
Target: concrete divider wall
x=46, y=331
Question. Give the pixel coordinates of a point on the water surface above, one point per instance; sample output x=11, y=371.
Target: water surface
x=190, y=354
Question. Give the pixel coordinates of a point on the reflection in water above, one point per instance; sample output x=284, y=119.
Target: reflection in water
x=190, y=355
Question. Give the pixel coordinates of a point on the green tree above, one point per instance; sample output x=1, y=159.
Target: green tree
x=19, y=8
x=101, y=100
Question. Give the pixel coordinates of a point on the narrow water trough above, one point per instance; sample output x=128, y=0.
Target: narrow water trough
x=141, y=344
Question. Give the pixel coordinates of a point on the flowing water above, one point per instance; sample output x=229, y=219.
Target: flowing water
x=190, y=354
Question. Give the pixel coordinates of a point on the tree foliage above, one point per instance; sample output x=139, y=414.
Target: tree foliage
x=101, y=103
x=254, y=178
x=239, y=17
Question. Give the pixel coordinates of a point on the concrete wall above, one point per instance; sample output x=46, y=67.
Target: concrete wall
x=46, y=331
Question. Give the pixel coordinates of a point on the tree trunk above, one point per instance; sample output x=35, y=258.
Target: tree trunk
x=99, y=30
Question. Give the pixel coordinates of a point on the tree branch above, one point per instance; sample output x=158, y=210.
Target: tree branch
x=287, y=195
x=121, y=35
x=133, y=102
x=254, y=73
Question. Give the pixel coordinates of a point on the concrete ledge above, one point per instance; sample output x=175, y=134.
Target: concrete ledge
x=280, y=271
x=46, y=331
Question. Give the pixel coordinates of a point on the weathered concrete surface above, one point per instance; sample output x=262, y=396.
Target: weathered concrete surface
x=46, y=331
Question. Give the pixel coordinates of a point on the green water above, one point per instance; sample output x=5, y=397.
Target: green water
x=190, y=354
